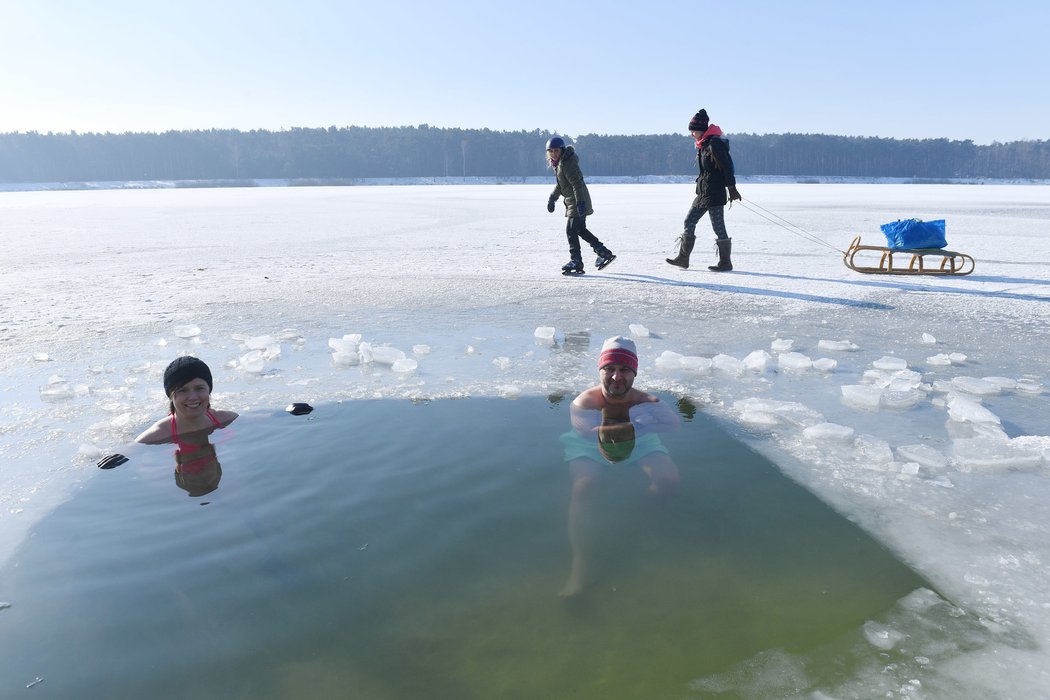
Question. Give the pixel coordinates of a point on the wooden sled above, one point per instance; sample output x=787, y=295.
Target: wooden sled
x=950, y=262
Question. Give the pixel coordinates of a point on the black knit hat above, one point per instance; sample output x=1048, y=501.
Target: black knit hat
x=699, y=121
x=182, y=370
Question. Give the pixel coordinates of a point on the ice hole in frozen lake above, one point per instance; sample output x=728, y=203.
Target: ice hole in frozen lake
x=371, y=537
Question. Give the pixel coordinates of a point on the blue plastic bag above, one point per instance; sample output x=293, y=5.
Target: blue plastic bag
x=914, y=233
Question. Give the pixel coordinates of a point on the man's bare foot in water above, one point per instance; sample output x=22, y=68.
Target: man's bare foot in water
x=574, y=586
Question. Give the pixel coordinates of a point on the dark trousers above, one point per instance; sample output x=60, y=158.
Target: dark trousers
x=696, y=212
x=575, y=229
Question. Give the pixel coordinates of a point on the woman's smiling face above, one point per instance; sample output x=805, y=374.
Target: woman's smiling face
x=192, y=398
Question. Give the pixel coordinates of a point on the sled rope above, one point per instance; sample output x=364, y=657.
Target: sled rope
x=787, y=225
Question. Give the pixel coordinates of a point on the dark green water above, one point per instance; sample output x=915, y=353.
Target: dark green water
x=394, y=550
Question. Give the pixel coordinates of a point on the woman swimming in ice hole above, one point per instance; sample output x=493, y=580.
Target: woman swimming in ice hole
x=188, y=386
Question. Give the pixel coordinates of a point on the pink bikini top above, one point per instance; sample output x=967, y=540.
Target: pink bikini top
x=175, y=432
x=193, y=458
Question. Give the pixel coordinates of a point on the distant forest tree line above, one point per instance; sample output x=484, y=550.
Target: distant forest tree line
x=425, y=151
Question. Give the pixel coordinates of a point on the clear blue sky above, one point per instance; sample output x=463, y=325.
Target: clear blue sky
x=962, y=70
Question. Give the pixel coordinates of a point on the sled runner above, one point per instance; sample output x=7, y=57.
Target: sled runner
x=944, y=262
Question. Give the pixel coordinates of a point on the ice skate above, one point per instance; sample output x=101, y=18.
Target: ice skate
x=604, y=260
x=573, y=267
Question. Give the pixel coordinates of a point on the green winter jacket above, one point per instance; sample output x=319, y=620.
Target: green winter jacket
x=570, y=185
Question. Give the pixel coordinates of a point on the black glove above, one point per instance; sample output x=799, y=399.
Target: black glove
x=550, y=204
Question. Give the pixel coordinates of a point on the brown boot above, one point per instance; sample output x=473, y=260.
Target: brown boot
x=685, y=247
x=725, y=247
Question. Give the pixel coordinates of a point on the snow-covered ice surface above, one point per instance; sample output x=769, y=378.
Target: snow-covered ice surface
x=914, y=406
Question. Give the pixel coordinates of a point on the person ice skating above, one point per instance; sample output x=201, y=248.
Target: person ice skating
x=613, y=423
x=569, y=184
x=716, y=176
x=188, y=386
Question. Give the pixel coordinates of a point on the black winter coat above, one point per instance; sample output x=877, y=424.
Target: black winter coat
x=716, y=172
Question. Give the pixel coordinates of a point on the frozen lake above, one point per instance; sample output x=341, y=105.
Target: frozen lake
x=928, y=428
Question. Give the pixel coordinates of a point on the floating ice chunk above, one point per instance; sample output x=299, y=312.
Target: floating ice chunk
x=899, y=380
x=544, y=332
x=995, y=455
x=187, y=331
x=258, y=342
x=825, y=364
x=1029, y=386
x=420, y=349
x=162, y=343
x=346, y=358
x=965, y=430
x=252, y=362
x=901, y=399
x=41, y=357
x=122, y=421
x=668, y=361
x=828, y=432
x=56, y=391
x=757, y=360
x=923, y=455
x=386, y=355
x=89, y=452
x=755, y=410
x=1004, y=383
x=957, y=358
x=728, y=364
x=471, y=350
x=502, y=362
x=928, y=339
x=762, y=419
x=700, y=364
x=888, y=362
x=1038, y=443
x=510, y=392
x=973, y=385
x=794, y=362
x=364, y=353
x=838, y=345
x=919, y=600
x=404, y=365
x=638, y=330
x=880, y=636
x=941, y=360
x=965, y=410
x=871, y=451
x=346, y=344
x=862, y=396
x=910, y=469
x=288, y=335
x=782, y=345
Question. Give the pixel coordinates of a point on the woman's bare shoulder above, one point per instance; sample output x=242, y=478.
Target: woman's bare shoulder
x=156, y=434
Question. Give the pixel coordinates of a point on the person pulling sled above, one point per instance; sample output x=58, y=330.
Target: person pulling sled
x=716, y=176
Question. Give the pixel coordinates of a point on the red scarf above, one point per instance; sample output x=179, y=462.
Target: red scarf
x=711, y=131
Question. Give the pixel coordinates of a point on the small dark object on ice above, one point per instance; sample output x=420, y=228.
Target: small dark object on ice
x=299, y=409
x=110, y=461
